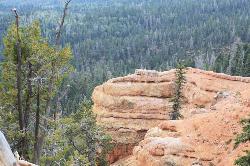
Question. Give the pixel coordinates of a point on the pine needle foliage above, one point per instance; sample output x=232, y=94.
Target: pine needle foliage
x=243, y=138
x=77, y=140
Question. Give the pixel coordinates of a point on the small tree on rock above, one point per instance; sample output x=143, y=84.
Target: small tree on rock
x=179, y=83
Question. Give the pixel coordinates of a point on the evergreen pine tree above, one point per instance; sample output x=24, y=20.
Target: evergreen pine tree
x=179, y=83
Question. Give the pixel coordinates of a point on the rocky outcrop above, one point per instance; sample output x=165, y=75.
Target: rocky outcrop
x=203, y=139
x=129, y=106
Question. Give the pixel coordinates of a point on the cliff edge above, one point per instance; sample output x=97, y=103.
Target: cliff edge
x=135, y=111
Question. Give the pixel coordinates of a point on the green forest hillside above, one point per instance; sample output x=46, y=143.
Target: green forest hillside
x=113, y=37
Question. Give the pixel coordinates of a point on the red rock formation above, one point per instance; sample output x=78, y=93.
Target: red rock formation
x=203, y=138
x=214, y=104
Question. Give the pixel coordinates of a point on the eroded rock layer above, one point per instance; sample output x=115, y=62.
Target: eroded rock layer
x=129, y=106
x=202, y=139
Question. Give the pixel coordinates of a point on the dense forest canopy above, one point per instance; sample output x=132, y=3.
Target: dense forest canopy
x=113, y=37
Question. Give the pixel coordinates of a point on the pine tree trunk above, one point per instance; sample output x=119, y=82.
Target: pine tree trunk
x=36, y=158
x=29, y=95
x=28, y=108
x=19, y=85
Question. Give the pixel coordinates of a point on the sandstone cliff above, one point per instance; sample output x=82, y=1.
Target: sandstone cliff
x=135, y=110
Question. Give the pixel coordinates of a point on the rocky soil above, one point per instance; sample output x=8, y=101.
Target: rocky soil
x=135, y=110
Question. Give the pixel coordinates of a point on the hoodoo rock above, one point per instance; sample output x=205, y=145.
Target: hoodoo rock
x=135, y=111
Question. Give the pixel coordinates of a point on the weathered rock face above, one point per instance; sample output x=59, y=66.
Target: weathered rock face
x=204, y=139
x=129, y=106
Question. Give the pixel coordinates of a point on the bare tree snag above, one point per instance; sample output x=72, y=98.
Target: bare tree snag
x=58, y=33
x=23, y=142
x=50, y=89
x=19, y=67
